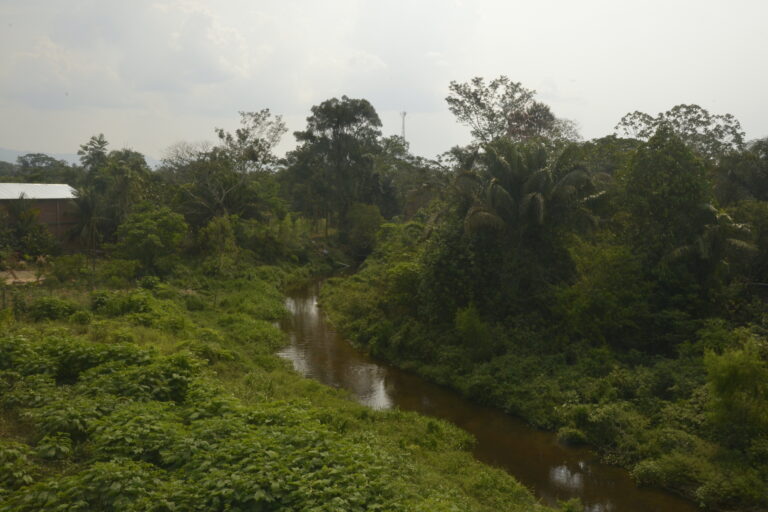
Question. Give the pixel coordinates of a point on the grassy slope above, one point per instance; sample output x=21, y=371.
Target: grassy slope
x=173, y=399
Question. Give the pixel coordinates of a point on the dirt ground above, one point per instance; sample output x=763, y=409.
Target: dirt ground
x=21, y=277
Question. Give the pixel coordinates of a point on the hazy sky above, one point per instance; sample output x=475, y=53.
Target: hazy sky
x=151, y=73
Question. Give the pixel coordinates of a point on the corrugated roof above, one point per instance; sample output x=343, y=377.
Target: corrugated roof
x=36, y=191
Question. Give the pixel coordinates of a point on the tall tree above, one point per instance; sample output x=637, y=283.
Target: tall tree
x=250, y=148
x=233, y=178
x=709, y=135
x=336, y=155
x=503, y=108
x=41, y=168
x=666, y=186
x=742, y=175
x=522, y=188
x=93, y=154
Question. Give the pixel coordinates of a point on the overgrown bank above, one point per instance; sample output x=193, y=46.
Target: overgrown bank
x=690, y=421
x=168, y=396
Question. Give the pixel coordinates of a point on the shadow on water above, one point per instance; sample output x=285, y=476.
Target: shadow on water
x=552, y=471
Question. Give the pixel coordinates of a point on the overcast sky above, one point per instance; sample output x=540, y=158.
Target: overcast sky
x=151, y=73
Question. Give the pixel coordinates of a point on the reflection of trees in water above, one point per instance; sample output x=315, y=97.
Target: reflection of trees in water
x=562, y=476
x=316, y=352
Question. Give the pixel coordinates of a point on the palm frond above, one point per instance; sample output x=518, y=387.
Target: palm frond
x=741, y=246
x=499, y=199
x=533, y=205
x=538, y=181
x=468, y=184
x=479, y=217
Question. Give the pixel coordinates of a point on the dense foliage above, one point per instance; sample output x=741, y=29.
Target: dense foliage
x=612, y=290
x=167, y=396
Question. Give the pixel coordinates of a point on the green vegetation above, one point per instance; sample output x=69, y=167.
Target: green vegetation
x=610, y=290
x=162, y=397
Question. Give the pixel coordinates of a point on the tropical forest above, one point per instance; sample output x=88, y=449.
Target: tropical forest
x=608, y=295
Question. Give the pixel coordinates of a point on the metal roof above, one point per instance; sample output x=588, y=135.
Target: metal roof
x=36, y=191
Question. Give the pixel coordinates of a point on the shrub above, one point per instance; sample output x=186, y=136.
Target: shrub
x=676, y=469
x=738, y=380
x=54, y=446
x=149, y=282
x=114, y=485
x=138, y=431
x=571, y=436
x=81, y=317
x=194, y=302
x=69, y=267
x=118, y=272
x=152, y=235
x=50, y=308
x=16, y=468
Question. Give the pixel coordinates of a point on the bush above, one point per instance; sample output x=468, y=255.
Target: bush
x=738, y=380
x=194, y=302
x=149, y=282
x=152, y=235
x=81, y=317
x=16, y=467
x=69, y=267
x=54, y=446
x=571, y=436
x=50, y=308
x=677, y=470
x=118, y=273
x=138, y=431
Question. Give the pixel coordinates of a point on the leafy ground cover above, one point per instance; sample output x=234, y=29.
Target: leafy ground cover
x=168, y=396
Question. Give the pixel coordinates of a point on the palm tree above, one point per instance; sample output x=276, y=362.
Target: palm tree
x=523, y=189
x=720, y=242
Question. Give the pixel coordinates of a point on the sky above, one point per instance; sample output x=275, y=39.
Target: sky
x=151, y=73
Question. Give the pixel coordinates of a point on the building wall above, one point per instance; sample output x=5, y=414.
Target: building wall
x=59, y=215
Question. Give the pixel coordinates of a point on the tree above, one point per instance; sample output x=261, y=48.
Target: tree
x=123, y=182
x=335, y=160
x=250, y=147
x=710, y=136
x=89, y=222
x=523, y=188
x=665, y=187
x=743, y=175
x=93, y=154
x=151, y=235
x=503, y=108
x=720, y=246
x=41, y=168
x=233, y=178
x=406, y=183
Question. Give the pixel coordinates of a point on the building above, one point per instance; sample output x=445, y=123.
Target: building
x=54, y=202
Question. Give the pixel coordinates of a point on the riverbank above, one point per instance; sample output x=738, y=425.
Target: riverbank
x=651, y=414
x=170, y=395
x=534, y=457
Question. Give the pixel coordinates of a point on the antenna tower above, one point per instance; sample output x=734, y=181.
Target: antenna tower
x=403, y=114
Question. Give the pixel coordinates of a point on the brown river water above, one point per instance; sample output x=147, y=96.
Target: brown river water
x=550, y=470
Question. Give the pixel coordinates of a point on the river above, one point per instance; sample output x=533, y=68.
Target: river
x=550, y=470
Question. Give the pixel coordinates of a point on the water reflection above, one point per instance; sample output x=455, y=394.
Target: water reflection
x=562, y=476
x=552, y=471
